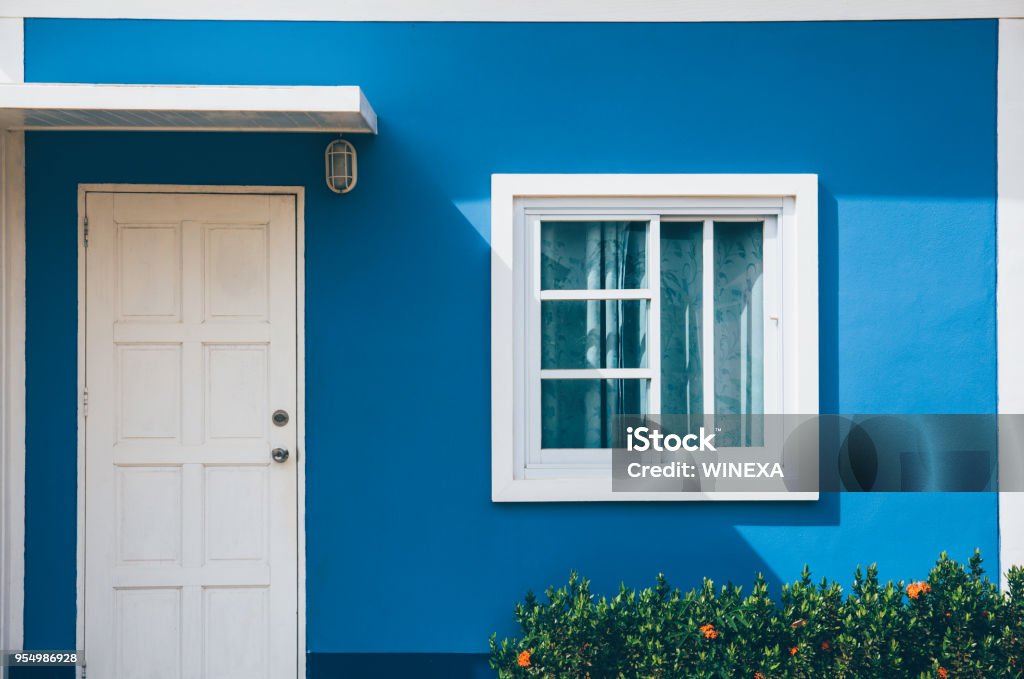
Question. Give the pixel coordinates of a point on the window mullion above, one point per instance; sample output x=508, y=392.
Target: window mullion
x=596, y=374
x=708, y=317
x=597, y=294
x=654, y=314
x=533, y=349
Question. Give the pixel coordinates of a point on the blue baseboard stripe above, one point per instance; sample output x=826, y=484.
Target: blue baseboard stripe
x=398, y=665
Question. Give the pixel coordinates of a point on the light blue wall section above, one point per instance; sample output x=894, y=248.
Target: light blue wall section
x=898, y=120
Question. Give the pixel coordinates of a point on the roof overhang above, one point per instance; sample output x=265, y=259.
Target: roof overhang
x=521, y=10
x=241, y=108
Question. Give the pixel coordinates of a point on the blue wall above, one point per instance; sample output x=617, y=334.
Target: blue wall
x=898, y=120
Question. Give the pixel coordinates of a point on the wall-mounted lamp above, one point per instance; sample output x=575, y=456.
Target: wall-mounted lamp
x=340, y=166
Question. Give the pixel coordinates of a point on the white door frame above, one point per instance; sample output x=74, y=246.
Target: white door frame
x=300, y=419
x=12, y=388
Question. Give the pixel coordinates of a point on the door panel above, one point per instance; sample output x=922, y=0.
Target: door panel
x=190, y=535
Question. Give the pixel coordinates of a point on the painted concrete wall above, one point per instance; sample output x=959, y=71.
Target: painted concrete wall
x=898, y=119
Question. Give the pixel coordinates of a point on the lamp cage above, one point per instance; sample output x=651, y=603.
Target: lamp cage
x=340, y=165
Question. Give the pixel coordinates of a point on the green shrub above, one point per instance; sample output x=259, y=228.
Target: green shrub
x=955, y=624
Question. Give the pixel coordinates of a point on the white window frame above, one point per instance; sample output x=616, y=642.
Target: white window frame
x=787, y=203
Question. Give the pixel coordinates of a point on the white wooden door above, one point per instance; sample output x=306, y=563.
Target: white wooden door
x=190, y=530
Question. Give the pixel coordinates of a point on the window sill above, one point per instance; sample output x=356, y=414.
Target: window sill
x=599, y=490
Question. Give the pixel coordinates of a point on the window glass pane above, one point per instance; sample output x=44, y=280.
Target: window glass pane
x=578, y=413
x=682, y=384
x=593, y=255
x=739, y=326
x=594, y=333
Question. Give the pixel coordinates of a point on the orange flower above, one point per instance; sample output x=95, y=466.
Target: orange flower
x=916, y=589
x=758, y=675
x=943, y=673
x=825, y=646
x=524, y=659
x=793, y=650
x=709, y=631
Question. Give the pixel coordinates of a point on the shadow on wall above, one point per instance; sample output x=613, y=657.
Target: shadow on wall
x=828, y=301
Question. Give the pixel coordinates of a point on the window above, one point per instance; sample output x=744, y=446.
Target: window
x=689, y=294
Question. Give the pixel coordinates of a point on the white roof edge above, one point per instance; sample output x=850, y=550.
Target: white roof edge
x=116, y=106
x=521, y=10
x=183, y=97
x=368, y=113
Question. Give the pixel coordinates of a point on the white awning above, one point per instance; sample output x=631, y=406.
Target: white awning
x=240, y=108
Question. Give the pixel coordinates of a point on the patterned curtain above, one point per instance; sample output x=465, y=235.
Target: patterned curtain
x=682, y=323
x=739, y=330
